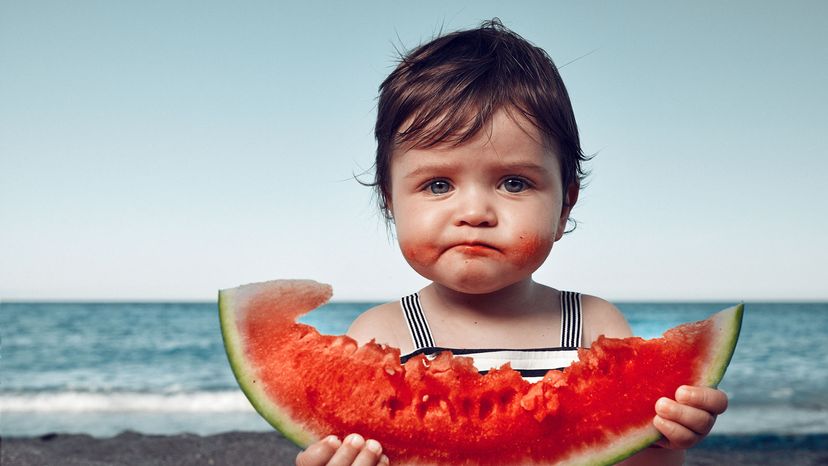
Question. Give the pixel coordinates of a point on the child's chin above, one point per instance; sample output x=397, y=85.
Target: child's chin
x=478, y=284
x=474, y=277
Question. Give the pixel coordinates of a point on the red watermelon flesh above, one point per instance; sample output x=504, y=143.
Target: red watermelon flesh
x=442, y=411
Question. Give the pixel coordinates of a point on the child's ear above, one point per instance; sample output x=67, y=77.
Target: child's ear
x=570, y=198
x=389, y=208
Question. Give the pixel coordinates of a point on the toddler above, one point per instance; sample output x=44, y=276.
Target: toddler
x=478, y=166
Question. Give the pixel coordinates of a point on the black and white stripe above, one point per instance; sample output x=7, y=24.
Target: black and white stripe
x=532, y=363
x=417, y=324
x=571, y=321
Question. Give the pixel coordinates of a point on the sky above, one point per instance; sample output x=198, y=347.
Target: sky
x=165, y=150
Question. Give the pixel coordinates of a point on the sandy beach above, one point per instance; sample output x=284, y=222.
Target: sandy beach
x=248, y=448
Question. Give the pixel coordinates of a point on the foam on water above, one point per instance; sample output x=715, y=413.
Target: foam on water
x=785, y=420
x=111, y=423
x=75, y=402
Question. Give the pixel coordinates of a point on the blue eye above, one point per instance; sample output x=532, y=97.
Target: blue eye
x=439, y=187
x=515, y=185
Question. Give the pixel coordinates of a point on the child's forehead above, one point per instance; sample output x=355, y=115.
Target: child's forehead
x=505, y=126
x=508, y=130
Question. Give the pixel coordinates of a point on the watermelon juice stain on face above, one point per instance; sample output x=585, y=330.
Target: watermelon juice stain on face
x=530, y=248
x=422, y=256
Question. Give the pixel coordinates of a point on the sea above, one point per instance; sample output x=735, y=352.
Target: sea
x=160, y=368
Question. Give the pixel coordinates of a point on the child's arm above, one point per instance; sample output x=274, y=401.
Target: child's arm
x=354, y=451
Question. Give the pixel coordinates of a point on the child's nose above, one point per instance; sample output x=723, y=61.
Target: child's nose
x=475, y=209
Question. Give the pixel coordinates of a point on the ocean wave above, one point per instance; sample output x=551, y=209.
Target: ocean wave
x=764, y=419
x=198, y=402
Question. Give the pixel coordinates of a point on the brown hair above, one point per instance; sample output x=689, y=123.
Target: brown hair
x=447, y=90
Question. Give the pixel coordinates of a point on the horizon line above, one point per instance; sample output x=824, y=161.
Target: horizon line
x=378, y=301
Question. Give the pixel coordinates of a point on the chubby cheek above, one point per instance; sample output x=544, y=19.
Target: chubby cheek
x=419, y=254
x=530, y=249
x=417, y=238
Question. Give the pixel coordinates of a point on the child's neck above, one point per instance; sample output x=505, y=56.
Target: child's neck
x=510, y=301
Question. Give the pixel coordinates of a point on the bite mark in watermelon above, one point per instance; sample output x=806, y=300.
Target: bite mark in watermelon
x=442, y=411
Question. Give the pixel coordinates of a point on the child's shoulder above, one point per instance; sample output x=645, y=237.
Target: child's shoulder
x=602, y=318
x=385, y=324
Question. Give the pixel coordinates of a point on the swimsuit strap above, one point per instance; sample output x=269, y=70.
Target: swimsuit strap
x=417, y=324
x=571, y=321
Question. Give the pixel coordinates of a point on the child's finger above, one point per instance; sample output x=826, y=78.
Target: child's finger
x=347, y=453
x=319, y=453
x=697, y=420
x=709, y=399
x=370, y=454
x=676, y=436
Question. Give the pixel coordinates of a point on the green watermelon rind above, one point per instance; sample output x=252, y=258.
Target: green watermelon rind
x=632, y=442
x=730, y=320
x=728, y=325
x=245, y=375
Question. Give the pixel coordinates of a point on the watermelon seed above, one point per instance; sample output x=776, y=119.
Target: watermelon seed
x=425, y=398
x=466, y=406
x=506, y=396
x=394, y=405
x=486, y=407
x=421, y=410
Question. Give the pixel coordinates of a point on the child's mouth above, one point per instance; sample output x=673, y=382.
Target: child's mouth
x=476, y=249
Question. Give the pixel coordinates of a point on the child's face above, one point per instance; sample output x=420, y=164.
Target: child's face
x=484, y=215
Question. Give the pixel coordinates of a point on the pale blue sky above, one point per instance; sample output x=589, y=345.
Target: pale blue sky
x=163, y=150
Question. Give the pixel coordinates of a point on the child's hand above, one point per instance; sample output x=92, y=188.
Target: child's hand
x=687, y=420
x=354, y=451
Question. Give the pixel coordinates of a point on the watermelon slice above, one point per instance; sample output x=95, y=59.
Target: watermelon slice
x=442, y=411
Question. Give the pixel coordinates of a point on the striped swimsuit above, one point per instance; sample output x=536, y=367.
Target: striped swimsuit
x=531, y=363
